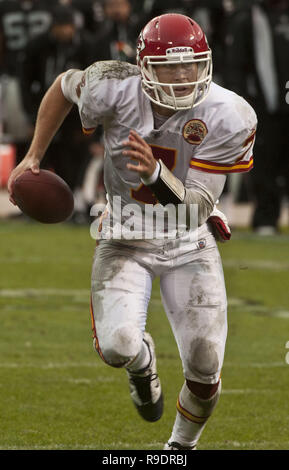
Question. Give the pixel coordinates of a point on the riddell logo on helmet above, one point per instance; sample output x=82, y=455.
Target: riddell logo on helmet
x=179, y=50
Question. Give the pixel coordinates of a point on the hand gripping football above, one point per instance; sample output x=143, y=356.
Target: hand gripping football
x=44, y=197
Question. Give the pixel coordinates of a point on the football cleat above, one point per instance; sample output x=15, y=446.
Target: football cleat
x=177, y=446
x=145, y=387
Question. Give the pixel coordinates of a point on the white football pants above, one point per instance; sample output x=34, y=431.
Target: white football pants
x=193, y=294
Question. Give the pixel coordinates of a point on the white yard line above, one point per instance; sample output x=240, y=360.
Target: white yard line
x=31, y=292
x=256, y=264
x=39, y=260
x=64, y=365
x=245, y=391
x=50, y=365
x=83, y=295
x=239, y=264
x=256, y=365
x=84, y=381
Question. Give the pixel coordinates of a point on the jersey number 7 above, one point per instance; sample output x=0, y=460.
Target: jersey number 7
x=169, y=157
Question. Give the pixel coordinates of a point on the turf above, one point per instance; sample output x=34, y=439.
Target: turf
x=55, y=392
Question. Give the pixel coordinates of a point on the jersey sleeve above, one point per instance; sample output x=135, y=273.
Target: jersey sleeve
x=209, y=186
x=229, y=146
x=91, y=94
x=96, y=91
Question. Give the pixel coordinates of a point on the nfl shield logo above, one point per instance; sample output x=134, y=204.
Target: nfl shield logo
x=201, y=244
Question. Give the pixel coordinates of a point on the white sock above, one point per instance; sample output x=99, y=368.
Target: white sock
x=192, y=415
x=142, y=360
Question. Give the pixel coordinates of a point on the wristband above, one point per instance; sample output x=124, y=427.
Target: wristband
x=152, y=179
x=168, y=189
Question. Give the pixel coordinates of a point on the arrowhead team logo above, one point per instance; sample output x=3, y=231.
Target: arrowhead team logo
x=140, y=43
x=195, y=131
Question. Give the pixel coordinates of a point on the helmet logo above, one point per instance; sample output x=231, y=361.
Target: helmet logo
x=140, y=43
x=195, y=131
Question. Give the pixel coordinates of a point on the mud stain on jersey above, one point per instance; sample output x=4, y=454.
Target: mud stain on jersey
x=113, y=69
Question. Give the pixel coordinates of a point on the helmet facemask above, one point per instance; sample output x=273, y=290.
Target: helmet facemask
x=154, y=89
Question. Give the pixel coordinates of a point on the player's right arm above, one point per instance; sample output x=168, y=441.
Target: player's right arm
x=52, y=111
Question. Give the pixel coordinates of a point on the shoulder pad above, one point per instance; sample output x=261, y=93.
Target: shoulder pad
x=112, y=69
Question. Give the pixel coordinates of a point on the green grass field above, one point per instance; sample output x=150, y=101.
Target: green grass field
x=55, y=392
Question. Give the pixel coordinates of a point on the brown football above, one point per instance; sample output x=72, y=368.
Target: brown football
x=44, y=197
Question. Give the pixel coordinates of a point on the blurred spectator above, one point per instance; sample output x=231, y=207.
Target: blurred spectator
x=117, y=37
x=212, y=17
x=257, y=68
x=89, y=13
x=160, y=7
x=20, y=20
x=63, y=47
x=93, y=14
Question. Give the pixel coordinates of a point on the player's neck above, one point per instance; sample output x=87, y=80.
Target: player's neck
x=162, y=111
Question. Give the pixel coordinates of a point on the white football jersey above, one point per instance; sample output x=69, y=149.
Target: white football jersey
x=216, y=137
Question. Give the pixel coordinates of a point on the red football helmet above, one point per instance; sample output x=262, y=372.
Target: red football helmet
x=174, y=39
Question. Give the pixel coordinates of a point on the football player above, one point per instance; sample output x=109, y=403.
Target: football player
x=171, y=137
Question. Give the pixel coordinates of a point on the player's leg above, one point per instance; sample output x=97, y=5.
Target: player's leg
x=120, y=293
x=195, y=301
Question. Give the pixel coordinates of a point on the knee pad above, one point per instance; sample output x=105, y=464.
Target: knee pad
x=204, y=358
x=120, y=347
